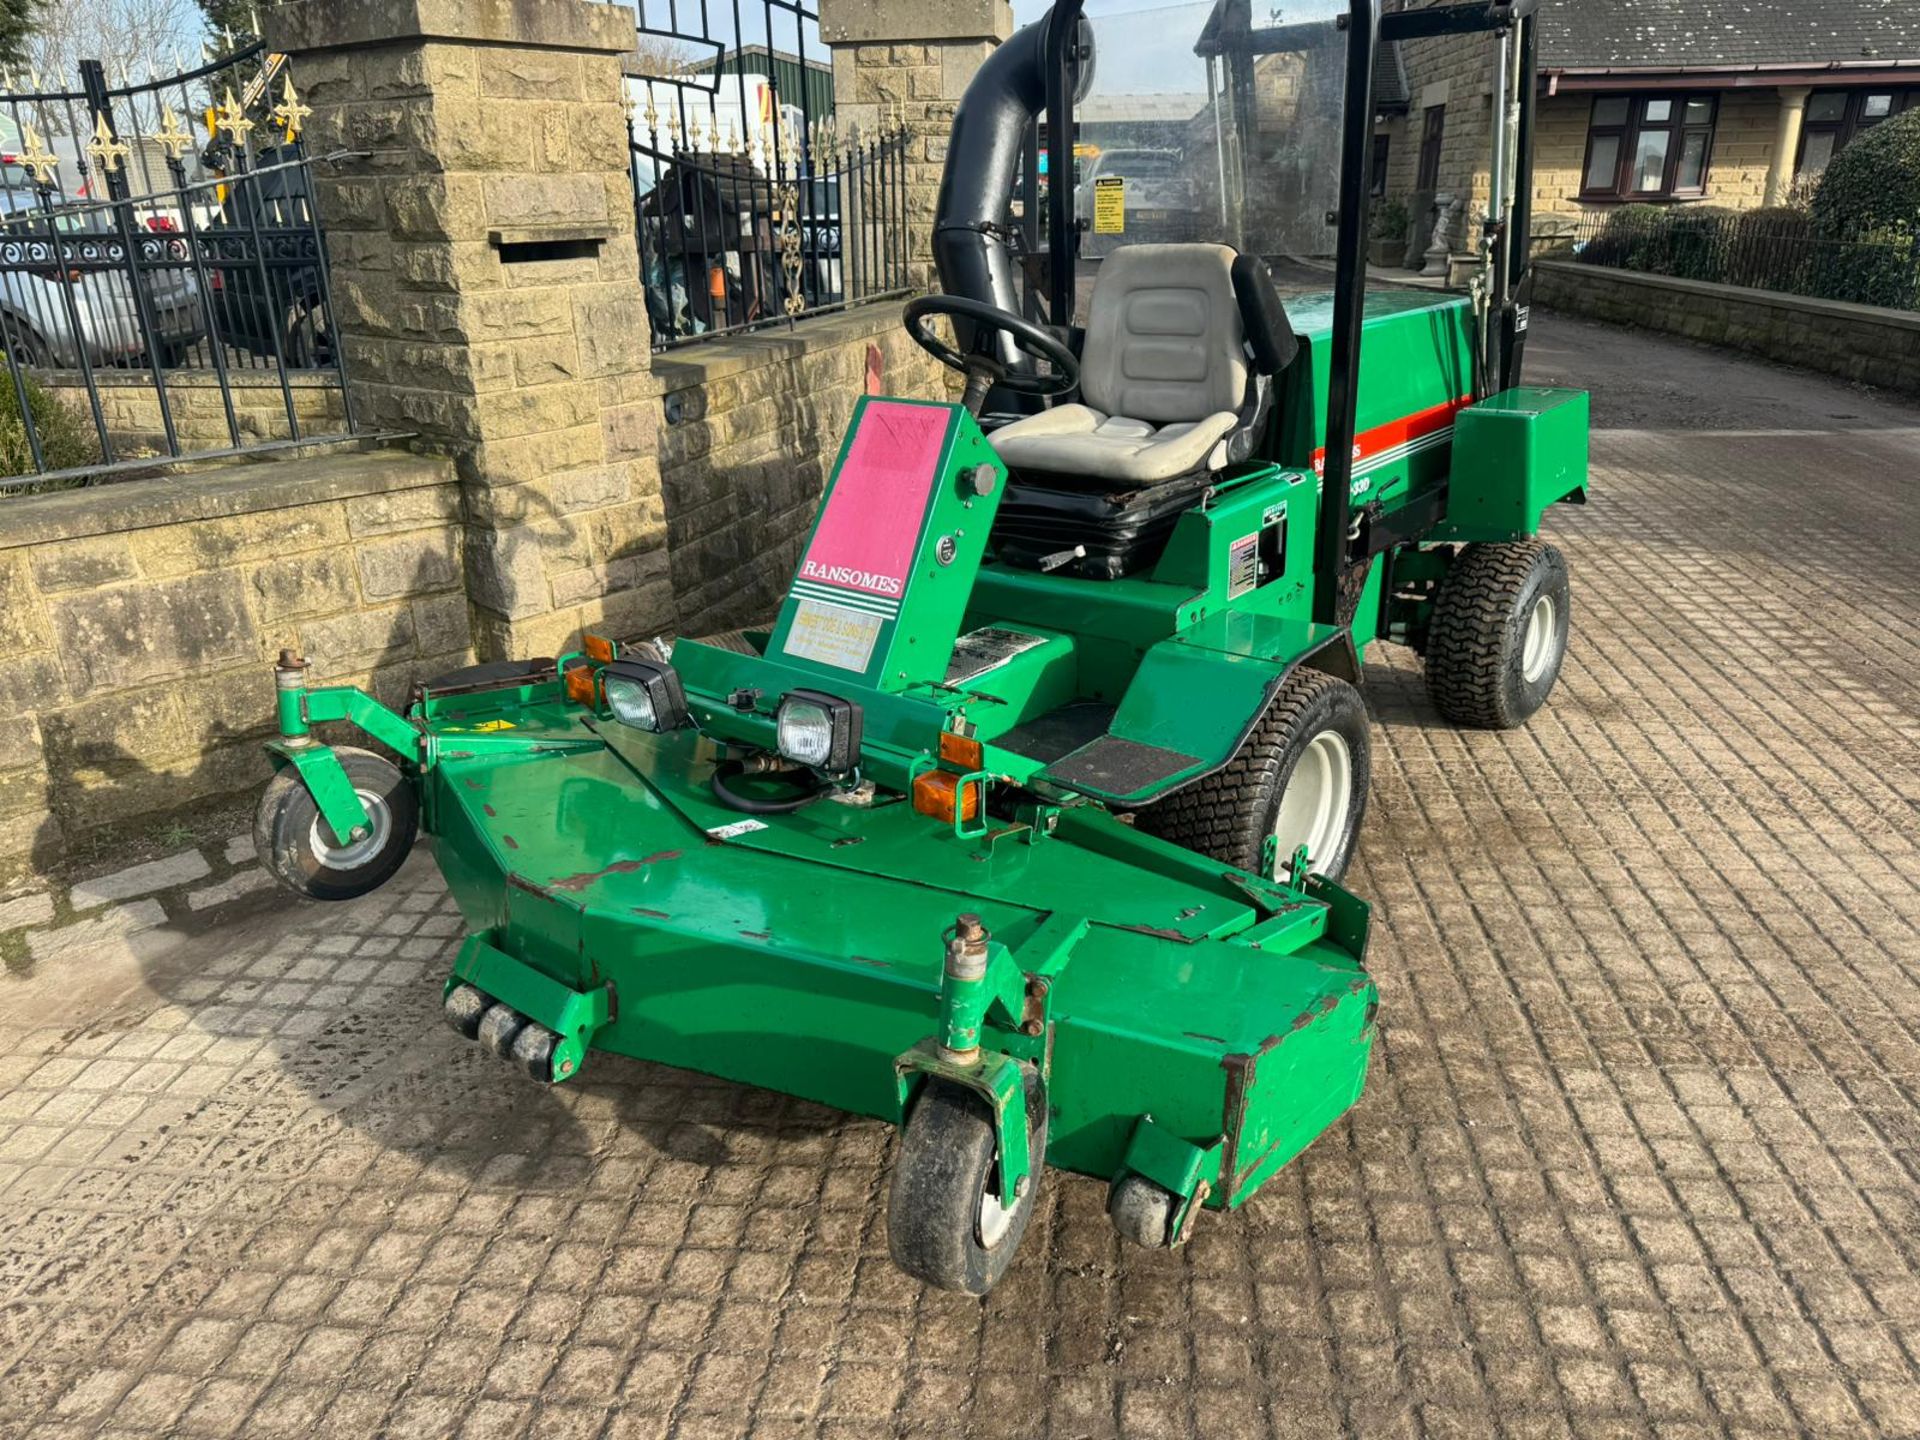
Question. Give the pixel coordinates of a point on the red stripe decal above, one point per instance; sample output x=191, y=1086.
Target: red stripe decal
x=1398, y=432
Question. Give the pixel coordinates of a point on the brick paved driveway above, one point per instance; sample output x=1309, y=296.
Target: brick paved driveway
x=1638, y=1156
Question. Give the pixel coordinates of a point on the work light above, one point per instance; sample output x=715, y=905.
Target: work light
x=645, y=695
x=818, y=730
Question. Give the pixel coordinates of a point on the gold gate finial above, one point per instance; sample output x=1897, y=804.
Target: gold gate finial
x=107, y=151
x=170, y=137
x=290, y=115
x=232, y=118
x=35, y=158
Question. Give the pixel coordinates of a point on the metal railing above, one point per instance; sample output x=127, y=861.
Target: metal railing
x=161, y=259
x=753, y=207
x=1781, y=250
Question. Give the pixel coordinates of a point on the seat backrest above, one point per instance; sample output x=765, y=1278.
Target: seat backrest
x=1165, y=342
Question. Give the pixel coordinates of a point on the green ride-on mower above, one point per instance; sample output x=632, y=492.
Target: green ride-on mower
x=1022, y=823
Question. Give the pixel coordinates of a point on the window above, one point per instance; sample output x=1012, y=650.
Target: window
x=1430, y=138
x=1834, y=117
x=1648, y=146
x=1378, y=185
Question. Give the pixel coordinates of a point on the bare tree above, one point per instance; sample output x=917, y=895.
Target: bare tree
x=155, y=31
x=657, y=55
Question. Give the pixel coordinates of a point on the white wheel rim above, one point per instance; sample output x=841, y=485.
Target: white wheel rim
x=354, y=853
x=1536, y=652
x=994, y=1219
x=1315, y=805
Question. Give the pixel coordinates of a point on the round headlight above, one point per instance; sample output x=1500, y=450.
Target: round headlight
x=631, y=702
x=804, y=733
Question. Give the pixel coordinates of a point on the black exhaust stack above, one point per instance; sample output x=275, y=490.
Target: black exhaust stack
x=990, y=127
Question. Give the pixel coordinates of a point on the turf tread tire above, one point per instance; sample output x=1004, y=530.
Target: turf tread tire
x=1227, y=815
x=1473, y=646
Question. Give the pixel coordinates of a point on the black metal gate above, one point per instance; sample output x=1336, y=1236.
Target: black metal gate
x=163, y=277
x=755, y=204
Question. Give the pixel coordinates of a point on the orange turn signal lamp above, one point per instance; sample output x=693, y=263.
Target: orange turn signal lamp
x=583, y=685
x=598, y=648
x=942, y=795
x=962, y=750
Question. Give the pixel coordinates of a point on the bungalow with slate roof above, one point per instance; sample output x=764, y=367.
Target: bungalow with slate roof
x=1726, y=102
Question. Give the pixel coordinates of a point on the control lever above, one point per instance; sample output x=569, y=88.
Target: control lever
x=1062, y=557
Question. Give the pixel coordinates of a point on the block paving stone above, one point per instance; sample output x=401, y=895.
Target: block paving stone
x=1637, y=1156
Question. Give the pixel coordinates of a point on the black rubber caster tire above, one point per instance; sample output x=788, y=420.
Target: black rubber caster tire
x=533, y=1051
x=936, y=1206
x=1499, y=634
x=1142, y=1211
x=296, y=846
x=500, y=1027
x=1229, y=814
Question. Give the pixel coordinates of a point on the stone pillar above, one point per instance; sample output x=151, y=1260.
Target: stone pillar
x=487, y=291
x=910, y=59
x=1786, y=142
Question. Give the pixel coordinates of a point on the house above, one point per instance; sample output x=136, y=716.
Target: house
x=1726, y=102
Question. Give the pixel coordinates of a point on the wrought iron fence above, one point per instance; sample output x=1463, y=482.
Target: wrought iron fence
x=1779, y=249
x=754, y=205
x=163, y=276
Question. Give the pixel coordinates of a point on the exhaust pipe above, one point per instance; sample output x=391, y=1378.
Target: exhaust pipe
x=983, y=156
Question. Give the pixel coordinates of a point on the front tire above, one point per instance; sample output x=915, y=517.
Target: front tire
x=1300, y=778
x=301, y=851
x=1499, y=634
x=945, y=1223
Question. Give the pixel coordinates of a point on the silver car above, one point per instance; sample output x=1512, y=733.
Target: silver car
x=50, y=315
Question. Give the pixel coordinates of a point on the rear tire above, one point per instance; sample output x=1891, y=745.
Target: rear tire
x=1499, y=634
x=945, y=1224
x=1301, y=776
x=302, y=853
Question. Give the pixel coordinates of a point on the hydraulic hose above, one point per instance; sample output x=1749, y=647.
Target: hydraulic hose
x=729, y=770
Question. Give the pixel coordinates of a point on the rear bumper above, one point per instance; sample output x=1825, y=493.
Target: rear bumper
x=806, y=955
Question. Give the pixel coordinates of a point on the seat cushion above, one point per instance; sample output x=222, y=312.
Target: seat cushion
x=1079, y=440
x=1165, y=340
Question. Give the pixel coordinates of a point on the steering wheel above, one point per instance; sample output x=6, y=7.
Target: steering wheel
x=981, y=366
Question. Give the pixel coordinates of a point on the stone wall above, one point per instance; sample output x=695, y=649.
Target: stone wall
x=132, y=409
x=486, y=287
x=753, y=425
x=137, y=622
x=1857, y=342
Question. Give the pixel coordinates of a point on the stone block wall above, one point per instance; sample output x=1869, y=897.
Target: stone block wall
x=1856, y=342
x=137, y=623
x=753, y=426
x=132, y=409
x=479, y=133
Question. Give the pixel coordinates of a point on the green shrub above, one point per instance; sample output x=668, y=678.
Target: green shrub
x=1390, y=220
x=1873, y=186
x=67, y=440
x=1772, y=248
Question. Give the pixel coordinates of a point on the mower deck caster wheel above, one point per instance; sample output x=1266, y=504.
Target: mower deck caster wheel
x=499, y=1028
x=300, y=849
x=533, y=1052
x=945, y=1222
x=464, y=1007
x=1142, y=1211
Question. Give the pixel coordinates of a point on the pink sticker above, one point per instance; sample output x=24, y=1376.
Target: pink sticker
x=866, y=536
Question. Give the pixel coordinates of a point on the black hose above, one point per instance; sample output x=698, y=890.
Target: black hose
x=747, y=805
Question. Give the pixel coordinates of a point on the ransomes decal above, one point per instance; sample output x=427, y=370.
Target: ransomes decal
x=1396, y=440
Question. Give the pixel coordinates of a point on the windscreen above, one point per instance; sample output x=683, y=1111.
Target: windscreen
x=1214, y=122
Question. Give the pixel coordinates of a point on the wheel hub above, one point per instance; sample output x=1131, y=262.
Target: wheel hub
x=1315, y=805
x=354, y=853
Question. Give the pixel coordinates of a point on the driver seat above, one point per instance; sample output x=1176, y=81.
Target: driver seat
x=1181, y=340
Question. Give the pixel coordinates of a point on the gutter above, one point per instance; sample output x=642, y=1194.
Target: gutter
x=1726, y=77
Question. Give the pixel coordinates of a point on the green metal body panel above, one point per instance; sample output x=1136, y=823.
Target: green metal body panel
x=1514, y=454
x=806, y=955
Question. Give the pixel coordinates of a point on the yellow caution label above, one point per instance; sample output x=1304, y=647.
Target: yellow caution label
x=1110, y=205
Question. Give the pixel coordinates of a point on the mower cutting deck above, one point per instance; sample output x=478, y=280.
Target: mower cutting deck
x=1021, y=823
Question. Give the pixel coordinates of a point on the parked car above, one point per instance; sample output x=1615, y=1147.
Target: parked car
x=37, y=323
x=1160, y=198
x=276, y=305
